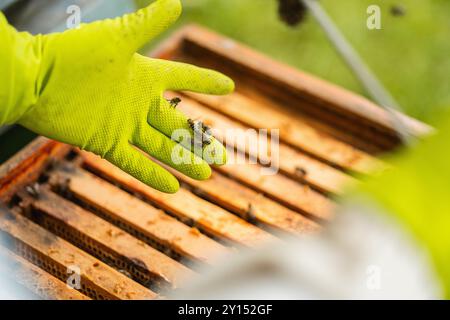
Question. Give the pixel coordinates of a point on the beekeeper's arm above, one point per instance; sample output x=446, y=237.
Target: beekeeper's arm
x=88, y=87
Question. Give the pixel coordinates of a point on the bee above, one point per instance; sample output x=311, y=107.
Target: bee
x=250, y=214
x=398, y=11
x=196, y=127
x=207, y=133
x=292, y=12
x=201, y=132
x=206, y=130
x=301, y=172
x=174, y=102
x=33, y=190
x=193, y=124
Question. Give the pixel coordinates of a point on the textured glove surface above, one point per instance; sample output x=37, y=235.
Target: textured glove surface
x=88, y=87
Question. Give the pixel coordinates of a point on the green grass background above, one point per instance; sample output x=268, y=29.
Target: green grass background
x=410, y=54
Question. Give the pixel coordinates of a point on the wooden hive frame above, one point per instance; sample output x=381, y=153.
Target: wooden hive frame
x=63, y=207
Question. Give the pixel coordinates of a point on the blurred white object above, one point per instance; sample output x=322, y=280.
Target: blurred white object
x=361, y=255
x=10, y=289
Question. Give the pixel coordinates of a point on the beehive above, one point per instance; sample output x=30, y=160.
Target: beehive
x=64, y=209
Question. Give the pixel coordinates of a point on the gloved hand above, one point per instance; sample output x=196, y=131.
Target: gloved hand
x=89, y=88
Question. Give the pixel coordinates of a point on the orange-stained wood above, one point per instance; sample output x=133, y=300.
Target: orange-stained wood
x=28, y=164
x=185, y=205
x=290, y=193
x=58, y=257
x=249, y=204
x=119, y=247
x=35, y=279
x=293, y=131
x=142, y=217
x=291, y=162
x=278, y=80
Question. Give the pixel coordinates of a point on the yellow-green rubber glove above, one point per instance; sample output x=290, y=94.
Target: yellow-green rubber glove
x=89, y=88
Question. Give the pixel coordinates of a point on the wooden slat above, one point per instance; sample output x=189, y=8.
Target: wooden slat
x=28, y=164
x=286, y=191
x=295, y=195
x=56, y=256
x=35, y=279
x=210, y=218
x=279, y=80
x=106, y=240
x=249, y=204
x=315, y=173
x=138, y=215
x=293, y=131
x=340, y=128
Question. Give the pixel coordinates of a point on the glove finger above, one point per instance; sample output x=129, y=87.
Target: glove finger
x=132, y=161
x=182, y=76
x=171, y=153
x=173, y=123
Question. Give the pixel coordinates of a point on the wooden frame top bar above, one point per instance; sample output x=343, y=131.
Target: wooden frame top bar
x=281, y=81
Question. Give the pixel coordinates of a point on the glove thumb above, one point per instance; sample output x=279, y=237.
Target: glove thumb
x=138, y=28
